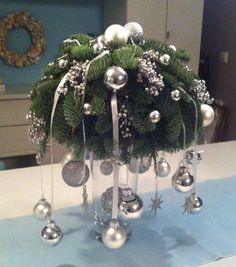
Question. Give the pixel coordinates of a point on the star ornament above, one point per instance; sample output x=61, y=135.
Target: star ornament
x=156, y=203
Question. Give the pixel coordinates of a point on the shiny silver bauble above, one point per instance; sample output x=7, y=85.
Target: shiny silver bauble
x=51, y=234
x=62, y=63
x=163, y=168
x=208, y=114
x=106, y=167
x=173, y=48
x=116, y=35
x=155, y=116
x=189, y=157
x=115, y=78
x=114, y=236
x=164, y=59
x=182, y=180
x=42, y=210
x=134, y=31
x=131, y=205
x=87, y=109
x=176, y=95
x=197, y=203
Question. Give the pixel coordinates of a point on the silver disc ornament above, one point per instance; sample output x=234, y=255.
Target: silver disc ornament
x=115, y=78
x=144, y=165
x=74, y=174
x=182, y=180
x=106, y=167
x=51, y=234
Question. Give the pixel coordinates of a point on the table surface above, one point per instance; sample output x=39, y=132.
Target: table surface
x=20, y=188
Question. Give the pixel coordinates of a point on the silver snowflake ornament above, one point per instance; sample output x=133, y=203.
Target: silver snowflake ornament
x=156, y=203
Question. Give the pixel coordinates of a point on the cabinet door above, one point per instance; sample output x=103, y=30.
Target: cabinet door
x=184, y=27
x=151, y=14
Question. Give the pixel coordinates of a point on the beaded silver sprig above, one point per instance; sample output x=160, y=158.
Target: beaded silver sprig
x=200, y=92
x=148, y=75
x=124, y=122
x=36, y=128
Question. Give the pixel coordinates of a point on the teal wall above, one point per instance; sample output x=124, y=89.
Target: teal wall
x=60, y=19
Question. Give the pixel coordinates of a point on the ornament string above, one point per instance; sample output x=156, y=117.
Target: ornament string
x=184, y=139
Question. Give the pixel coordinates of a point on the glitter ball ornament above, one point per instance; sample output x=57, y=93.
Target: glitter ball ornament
x=134, y=31
x=116, y=35
x=131, y=205
x=182, y=180
x=62, y=63
x=42, y=210
x=165, y=59
x=107, y=198
x=87, y=109
x=74, y=174
x=106, y=167
x=163, y=168
x=155, y=116
x=114, y=236
x=189, y=156
x=115, y=78
x=51, y=234
x=176, y=95
x=208, y=114
x=193, y=203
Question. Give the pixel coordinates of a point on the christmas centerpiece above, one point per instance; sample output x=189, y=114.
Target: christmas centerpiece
x=127, y=100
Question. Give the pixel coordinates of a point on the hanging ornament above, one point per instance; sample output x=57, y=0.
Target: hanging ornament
x=155, y=116
x=193, y=203
x=116, y=35
x=134, y=31
x=74, y=174
x=156, y=203
x=51, y=234
x=87, y=109
x=107, y=196
x=189, y=156
x=115, y=78
x=182, y=180
x=208, y=114
x=131, y=205
x=114, y=236
x=106, y=167
x=165, y=59
x=176, y=95
x=141, y=167
x=42, y=210
x=172, y=47
x=62, y=63
x=163, y=167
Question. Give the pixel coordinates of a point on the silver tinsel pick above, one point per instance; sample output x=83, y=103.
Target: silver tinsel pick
x=200, y=92
x=148, y=75
x=125, y=122
x=36, y=128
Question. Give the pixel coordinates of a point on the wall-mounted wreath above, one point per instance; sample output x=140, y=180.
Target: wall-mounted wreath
x=33, y=54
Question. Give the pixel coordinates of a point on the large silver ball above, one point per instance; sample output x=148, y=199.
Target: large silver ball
x=163, y=168
x=131, y=205
x=114, y=236
x=42, y=210
x=87, y=109
x=134, y=31
x=182, y=180
x=116, y=35
x=164, y=59
x=115, y=78
x=155, y=116
x=51, y=234
x=208, y=114
x=106, y=167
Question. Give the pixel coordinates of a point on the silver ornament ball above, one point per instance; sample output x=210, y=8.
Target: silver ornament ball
x=116, y=35
x=208, y=114
x=197, y=203
x=134, y=31
x=115, y=78
x=173, y=48
x=106, y=167
x=163, y=168
x=62, y=63
x=87, y=109
x=165, y=59
x=114, y=236
x=155, y=116
x=131, y=205
x=176, y=95
x=74, y=174
x=98, y=47
x=51, y=234
x=42, y=210
x=189, y=156
x=182, y=180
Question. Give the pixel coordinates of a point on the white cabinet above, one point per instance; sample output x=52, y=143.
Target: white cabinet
x=177, y=22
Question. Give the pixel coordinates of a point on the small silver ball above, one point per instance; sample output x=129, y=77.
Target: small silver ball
x=176, y=95
x=116, y=35
x=42, y=210
x=172, y=47
x=182, y=180
x=114, y=236
x=163, y=168
x=87, y=109
x=51, y=234
x=208, y=114
x=98, y=47
x=155, y=116
x=106, y=167
x=189, y=157
x=62, y=63
x=134, y=31
x=115, y=78
x=165, y=59
x=197, y=203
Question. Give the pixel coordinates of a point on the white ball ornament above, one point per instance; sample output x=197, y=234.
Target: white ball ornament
x=87, y=109
x=115, y=78
x=116, y=35
x=208, y=114
x=155, y=116
x=134, y=31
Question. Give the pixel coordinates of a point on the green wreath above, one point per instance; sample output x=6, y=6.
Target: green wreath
x=33, y=54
